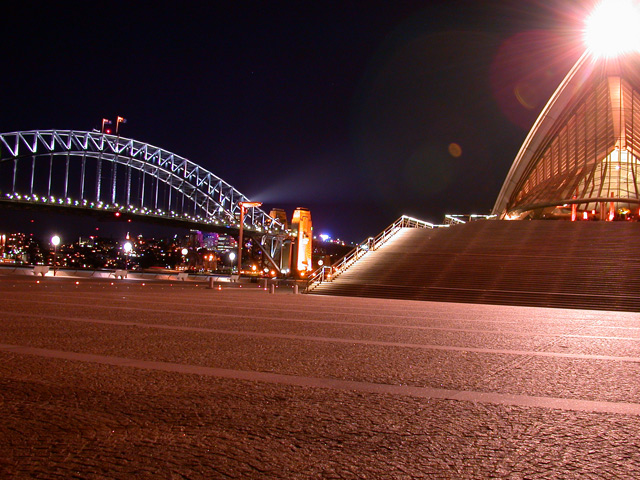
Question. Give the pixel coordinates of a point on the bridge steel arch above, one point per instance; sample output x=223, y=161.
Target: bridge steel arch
x=93, y=170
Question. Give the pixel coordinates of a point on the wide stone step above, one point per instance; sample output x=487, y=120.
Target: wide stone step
x=538, y=263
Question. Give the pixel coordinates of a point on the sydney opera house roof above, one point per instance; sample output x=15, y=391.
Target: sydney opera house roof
x=582, y=156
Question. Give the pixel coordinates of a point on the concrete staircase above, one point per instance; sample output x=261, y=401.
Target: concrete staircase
x=594, y=265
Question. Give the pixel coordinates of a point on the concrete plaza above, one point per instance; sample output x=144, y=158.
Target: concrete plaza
x=120, y=379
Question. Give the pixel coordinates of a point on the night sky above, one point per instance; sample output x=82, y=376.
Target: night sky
x=359, y=110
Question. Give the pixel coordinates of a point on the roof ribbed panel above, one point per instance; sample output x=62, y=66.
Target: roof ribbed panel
x=585, y=147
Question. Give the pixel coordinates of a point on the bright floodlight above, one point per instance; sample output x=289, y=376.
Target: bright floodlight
x=55, y=240
x=128, y=247
x=612, y=28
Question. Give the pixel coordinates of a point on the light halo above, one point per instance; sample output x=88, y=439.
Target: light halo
x=612, y=29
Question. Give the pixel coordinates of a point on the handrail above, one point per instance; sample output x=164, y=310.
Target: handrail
x=462, y=219
x=330, y=273
x=453, y=220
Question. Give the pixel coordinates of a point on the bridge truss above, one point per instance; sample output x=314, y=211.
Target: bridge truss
x=100, y=172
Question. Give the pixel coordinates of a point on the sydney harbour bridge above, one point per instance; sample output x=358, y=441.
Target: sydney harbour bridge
x=103, y=174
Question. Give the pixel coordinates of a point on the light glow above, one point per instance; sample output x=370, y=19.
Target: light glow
x=612, y=28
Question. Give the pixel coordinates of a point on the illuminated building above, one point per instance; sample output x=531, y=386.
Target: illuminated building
x=280, y=215
x=87, y=241
x=226, y=243
x=195, y=238
x=16, y=243
x=210, y=241
x=303, y=248
x=581, y=159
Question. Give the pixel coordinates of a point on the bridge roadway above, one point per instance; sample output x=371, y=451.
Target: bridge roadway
x=106, y=379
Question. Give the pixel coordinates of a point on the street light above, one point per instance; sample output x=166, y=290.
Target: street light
x=55, y=241
x=232, y=257
x=243, y=209
x=185, y=252
x=127, y=250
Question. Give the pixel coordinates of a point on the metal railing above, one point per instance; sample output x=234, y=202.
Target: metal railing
x=462, y=219
x=330, y=273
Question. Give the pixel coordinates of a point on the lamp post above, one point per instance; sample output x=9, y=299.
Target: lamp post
x=243, y=209
x=185, y=252
x=55, y=241
x=127, y=250
x=232, y=257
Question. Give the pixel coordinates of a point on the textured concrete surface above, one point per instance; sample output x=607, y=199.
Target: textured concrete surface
x=119, y=379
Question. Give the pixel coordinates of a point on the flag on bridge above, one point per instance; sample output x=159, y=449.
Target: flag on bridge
x=105, y=121
x=120, y=120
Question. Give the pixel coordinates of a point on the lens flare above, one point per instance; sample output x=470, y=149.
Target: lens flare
x=612, y=28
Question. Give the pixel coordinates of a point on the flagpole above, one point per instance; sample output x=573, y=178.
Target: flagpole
x=105, y=121
x=119, y=120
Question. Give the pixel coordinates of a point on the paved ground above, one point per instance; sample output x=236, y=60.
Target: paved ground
x=119, y=380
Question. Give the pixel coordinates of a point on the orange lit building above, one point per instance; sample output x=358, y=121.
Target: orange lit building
x=280, y=215
x=580, y=161
x=303, y=247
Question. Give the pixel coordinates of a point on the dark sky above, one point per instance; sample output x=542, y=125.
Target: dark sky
x=351, y=109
